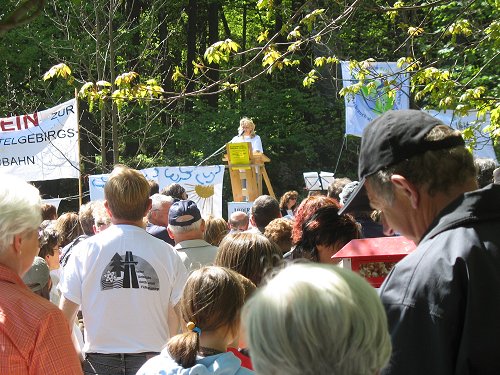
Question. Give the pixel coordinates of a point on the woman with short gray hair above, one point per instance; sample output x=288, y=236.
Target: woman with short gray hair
x=317, y=319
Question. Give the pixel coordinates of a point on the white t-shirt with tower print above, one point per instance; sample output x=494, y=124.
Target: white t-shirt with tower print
x=124, y=279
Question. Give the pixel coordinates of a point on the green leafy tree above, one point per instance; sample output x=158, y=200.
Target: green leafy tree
x=182, y=80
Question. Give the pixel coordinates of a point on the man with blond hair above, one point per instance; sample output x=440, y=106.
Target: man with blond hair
x=34, y=337
x=126, y=281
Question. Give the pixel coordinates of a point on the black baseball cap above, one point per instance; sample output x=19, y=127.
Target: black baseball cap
x=395, y=136
x=183, y=213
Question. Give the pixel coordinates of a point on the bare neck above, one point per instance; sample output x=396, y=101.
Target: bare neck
x=136, y=223
x=431, y=206
x=217, y=339
x=193, y=235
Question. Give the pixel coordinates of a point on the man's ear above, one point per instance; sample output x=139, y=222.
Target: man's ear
x=407, y=188
x=149, y=206
x=252, y=221
x=203, y=225
x=170, y=234
x=106, y=206
x=17, y=243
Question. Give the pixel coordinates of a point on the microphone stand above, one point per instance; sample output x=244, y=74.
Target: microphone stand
x=240, y=133
x=215, y=153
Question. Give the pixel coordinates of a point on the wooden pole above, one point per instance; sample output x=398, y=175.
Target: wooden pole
x=79, y=154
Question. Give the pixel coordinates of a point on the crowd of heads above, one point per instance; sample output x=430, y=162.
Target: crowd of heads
x=306, y=316
x=214, y=295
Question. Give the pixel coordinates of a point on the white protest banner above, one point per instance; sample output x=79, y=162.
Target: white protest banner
x=42, y=145
x=203, y=184
x=368, y=104
x=483, y=147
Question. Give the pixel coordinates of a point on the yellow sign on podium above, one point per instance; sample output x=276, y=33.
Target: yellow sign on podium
x=239, y=153
x=246, y=170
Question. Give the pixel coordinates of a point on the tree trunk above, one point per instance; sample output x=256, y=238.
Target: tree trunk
x=166, y=62
x=192, y=12
x=100, y=76
x=112, y=74
x=213, y=36
x=227, y=30
x=278, y=22
x=243, y=46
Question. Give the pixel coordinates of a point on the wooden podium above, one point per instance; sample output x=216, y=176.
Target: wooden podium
x=246, y=170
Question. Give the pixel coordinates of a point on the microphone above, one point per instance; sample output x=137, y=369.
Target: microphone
x=240, y=133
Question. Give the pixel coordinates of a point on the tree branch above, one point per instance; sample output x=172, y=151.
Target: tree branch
x=24, y=13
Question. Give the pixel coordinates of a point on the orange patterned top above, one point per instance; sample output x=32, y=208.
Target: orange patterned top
x=34, y=334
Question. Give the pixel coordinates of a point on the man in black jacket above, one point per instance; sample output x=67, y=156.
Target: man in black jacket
x=442, y=300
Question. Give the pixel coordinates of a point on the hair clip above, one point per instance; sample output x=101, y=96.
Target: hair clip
x=192, y=327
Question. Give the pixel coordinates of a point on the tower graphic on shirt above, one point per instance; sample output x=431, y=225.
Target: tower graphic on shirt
x=129, y=271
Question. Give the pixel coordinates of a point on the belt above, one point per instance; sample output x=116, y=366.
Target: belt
x=125, y=355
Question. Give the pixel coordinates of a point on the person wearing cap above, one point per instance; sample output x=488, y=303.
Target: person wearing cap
x=34, y=336
x=336, y=187
x=37, y=278
x=441, y=300
x=127, y=282
x=363, y=213
x=186, y=227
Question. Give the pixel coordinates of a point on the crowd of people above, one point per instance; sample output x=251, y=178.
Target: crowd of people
x=142, y=283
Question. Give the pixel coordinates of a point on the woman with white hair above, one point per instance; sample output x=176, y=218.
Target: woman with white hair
x=246, y=133
x=34, y=336
x=317, y=319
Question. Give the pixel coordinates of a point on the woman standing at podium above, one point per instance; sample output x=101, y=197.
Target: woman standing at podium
x=246, y=133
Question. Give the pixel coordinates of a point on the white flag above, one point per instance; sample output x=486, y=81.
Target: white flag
x=203, y=184
x=42, y=145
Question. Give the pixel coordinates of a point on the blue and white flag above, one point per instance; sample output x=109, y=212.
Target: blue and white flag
x=483, y=147
x=368, y=104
